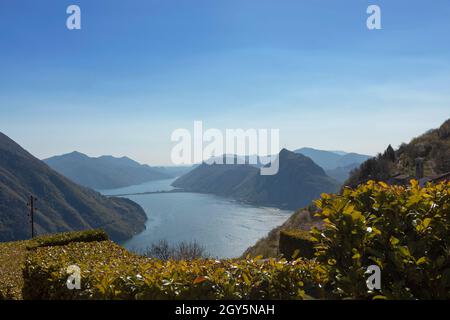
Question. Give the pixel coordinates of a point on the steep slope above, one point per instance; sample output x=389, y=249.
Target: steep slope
x=325, y=159
x=341, y=174
x=329, y=160
x=352, y=158
x=298, y=181
x=220, y=179
x=432, y=148
x=105, y=172
x=62, y=204
x=267, y=247
x=337, y=164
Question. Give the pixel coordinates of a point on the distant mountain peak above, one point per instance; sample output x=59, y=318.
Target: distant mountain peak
x=337, y=164
x=76, y=154
x=285, y=152
x=332, y=159
x=298, y=181
x=104, y=172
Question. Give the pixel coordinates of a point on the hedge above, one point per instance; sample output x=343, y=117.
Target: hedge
x=109, y=271
x=405, y=231
x=296, y=243
x=61, y=239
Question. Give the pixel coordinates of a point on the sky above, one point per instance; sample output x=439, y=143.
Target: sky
x=140, y=69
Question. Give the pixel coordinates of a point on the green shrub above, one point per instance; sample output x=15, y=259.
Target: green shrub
x=296, y=243
x=61, y=239
x=109, y=271
x=403, y=230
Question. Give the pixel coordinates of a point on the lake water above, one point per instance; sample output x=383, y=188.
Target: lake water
x=223, y=226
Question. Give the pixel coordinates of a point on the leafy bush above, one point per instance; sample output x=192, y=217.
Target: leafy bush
x=61, y=239
x=403, y=230
x=296, y=243
x=109, y=271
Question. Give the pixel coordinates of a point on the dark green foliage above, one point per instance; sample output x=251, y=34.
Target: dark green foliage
x=295, y=244
x=444, y=131
x=389, y=154
x=405, y=231
x=62, y=205
x=61, y=239
x=380, y=168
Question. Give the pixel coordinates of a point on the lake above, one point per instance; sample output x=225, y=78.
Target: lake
x=226, y=228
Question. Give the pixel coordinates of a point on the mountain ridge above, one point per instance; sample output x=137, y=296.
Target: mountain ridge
x=337, y=164
x=104, y=172
x=298, y=181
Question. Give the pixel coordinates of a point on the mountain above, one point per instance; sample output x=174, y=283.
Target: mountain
x=325, y=159
x=352, y=158
x=253, y=160
x=62, y=205
x=431, y=151
x=339, y=152
x=105, y=172
x=329, y=160
x=337, y=164
x=341, y=174
x=220, y=179
x=298, y=182
x=174, y=171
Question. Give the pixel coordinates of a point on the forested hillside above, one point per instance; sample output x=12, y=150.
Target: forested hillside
x=432, y=148
x=62, y=205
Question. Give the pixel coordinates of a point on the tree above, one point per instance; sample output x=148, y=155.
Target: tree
x=389, y=154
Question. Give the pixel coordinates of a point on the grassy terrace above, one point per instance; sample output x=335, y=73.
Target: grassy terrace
x=37, y=269
x=14, y=254
x=12, y=257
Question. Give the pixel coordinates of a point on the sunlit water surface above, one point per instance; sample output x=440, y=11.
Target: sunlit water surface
x=223, y=226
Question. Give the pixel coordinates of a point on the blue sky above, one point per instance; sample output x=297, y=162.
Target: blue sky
x=137, y=70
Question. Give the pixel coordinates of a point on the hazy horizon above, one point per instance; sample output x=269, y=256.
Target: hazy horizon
x=339, y=152
x=137, y=71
